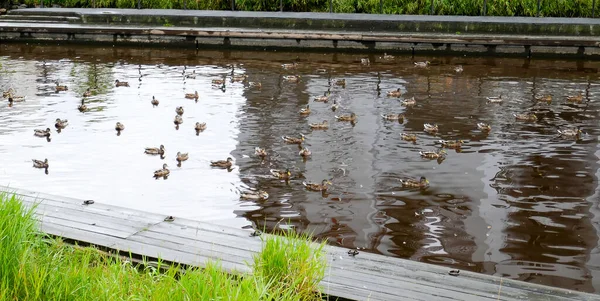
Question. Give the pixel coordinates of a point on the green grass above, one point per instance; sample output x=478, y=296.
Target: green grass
x=35, y=267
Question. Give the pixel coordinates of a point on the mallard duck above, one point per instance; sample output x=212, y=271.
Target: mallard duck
x=388, y=56
x=394, y=93
x=179, y=111
x=319, y=126
x=87, y=93
x=544, y=98
x=40, y=163
x=121, y=84
x=222, y=163
x=154, y=101
x=192, y=95
x=218, y=82
x=60, y=124
x=82, y=107
x=323, y=98
x=575, y=98
x=281, y=174
x=239, y=78
x=294, y=140
x=200, y=126
x=255, y=84
x=155, y=151
x=305, y=111
x=393, y=117
x=422, y=64
x=335, y=105
x=119, y=127
x=458, y=69
x=365, y=61
x=430, y=128
x=292, y=78
x=254, y=195
x=409, y=137
x=494, y=99
x=42, y=133
x=570, y=133
x=451, y=143
x=178, y=120
x=432, y=154
x=290, y=66
x=409, y=102
x=182, y=156
x=351, y=117
x=316, y=186
x=304, y=152
x=341, y=82
x=421, y=183
x=162, y=172
x=484, y=127
x=526, y=117
x=59, y=87
x=261, y=152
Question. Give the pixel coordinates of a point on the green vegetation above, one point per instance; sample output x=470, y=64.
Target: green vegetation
x=35, y=267
x=549, y=8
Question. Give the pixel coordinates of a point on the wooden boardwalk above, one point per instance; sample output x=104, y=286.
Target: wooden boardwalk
x=363, y=277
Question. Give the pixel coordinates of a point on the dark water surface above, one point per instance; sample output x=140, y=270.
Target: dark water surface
x=520, y=202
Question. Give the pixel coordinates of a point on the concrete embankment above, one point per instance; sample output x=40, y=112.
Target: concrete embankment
x=317, y=31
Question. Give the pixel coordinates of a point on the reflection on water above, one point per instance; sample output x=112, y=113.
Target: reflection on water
x=519, y=202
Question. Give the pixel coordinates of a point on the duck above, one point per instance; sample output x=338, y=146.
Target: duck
x=155, y=150
x=182, y=156
x=365, y=61
x=335, y=105
x=222, y=163
x=409, y=137
x=254, y=195
x=179, y=111
x=255, y=85
x=162, y=172
x=119, y=127
x=82, y=107
x=59, y=87
x=422, y=64
x=239, y=78
x=544, y=98
x=121, y=84
x=60, y=124
x=421, y=183
x=430, y=128
x=432, y=154
x=218, y=82
x=289, y=66
x=178, y=120
x=40, y=163
x=319, y=126
x=305, y=111
x=575, y=98
x=294, y=140
x=281, y=174
x=323, y=98
x=388, y=56
x=292, y=78
x=526, y=117
x=199, y=127
x=340, y=82
x=393, y=117
x=191, y=75
x=484, y=127
x=494, y=99
x=261, y=152
x=304, y=152
x=154, y=101
x=42, y=133
x=87, y=93
x=451, y=143
x=192, y=95
x=569, y=133
x=458, y=69
x=409, y=102
x=351, y=117
x=316, y=186
x=394, y=93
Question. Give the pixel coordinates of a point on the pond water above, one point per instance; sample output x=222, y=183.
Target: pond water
x=519, y=202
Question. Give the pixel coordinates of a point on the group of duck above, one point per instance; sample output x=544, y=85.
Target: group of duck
x=304, y=152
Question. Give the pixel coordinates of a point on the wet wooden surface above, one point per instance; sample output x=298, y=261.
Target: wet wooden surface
x=362, y=277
